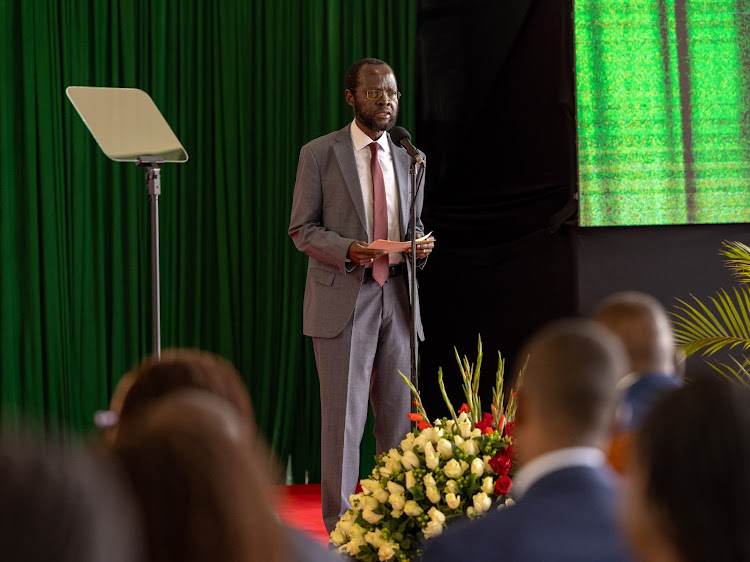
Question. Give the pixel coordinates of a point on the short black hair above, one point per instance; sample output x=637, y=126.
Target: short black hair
x=694, y=450
x=352, y=75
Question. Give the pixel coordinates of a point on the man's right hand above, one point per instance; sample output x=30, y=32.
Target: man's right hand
x=360, y=254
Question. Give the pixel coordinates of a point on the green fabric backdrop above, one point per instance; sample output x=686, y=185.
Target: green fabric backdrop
x=243, y=84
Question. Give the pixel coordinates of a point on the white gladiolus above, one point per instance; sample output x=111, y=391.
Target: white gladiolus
x=411, y=480
x=477, y=467
x=482, y=502
x=397, y=501
x=433, y=494
x=445, y=449
x=370, y=516
x=432, y=529
x=410, y=460
x=429, y=479
x=452, y=500
x=453, y=469
x=436, y=515
x=386, y=552
x=431, y=458
x=488, y=485
x=451, y=486
x=395, y=488
x=412, y=508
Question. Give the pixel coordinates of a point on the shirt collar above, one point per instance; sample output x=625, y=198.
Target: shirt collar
x=360, y=140
x=545, y=464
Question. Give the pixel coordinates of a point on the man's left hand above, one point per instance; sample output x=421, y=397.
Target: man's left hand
x=424, y=248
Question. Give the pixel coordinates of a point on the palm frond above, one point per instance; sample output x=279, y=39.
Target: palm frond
x=739, y=372
x=698, y=328
x=737, y=259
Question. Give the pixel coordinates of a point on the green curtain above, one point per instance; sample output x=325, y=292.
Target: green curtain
x=243, y=84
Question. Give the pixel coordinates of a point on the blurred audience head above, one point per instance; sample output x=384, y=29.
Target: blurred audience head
x=204, y=491
x=688, y=490
x=569, y=388
x=64, y=505
x=181, y=369
x=642, y=325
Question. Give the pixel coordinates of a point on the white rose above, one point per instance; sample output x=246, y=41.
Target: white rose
x=433, y=494
x=437, y=434
x=436, y=515
x=368, y=501
x=464, y=466
x=465, y=429
x=386, y=552
x=394, y=455
x=487, y=468
x=411, y=481
x=471, y=512
x=476, y=432
x=449, y=426
x=412, y=508
x=431, y=459
x=338, y=538
x=451, y=486
x=429, y=480
x=374, y=538
x=445, y=449
x=397, y=501
x=396, y=513
x=432, y=529
x=458, y=440
x=369, y=485
x=470, y=447
x=409, y=460
x=370, y=516
x=345, y=524
x=354, y=545
x=482, y=502
x=395, y=488
x=357, y=530
x=488, y=485
x=386, y=470
x=381, y=495
x=477, y=467
x=452, y=500
x=453, y=469
x=463, y=417
x=407, y=444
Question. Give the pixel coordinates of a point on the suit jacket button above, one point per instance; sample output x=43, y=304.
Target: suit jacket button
x=359, y=278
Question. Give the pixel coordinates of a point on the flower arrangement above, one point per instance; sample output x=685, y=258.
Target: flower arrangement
x=454, y=467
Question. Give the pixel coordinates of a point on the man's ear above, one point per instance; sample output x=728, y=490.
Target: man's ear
x=349, y=97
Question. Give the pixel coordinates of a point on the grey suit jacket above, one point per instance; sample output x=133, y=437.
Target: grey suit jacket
x=328, y=214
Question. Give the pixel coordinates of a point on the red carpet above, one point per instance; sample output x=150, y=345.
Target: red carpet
x=298, y=506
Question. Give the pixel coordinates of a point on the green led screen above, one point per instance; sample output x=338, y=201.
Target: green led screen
x=663, y=111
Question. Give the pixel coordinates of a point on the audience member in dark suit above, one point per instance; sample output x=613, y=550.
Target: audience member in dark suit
x=64, y=505
x=565, y=494
x=641, y=324
x=687, y=493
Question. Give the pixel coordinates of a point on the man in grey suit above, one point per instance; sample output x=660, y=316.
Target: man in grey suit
x=353, y=188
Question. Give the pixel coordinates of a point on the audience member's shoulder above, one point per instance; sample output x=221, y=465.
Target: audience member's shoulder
x=304, y=549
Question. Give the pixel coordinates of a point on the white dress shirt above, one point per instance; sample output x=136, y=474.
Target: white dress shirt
x=363, y=156
x=545, y=464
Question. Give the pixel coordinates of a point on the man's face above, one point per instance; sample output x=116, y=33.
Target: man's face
x=375, y=115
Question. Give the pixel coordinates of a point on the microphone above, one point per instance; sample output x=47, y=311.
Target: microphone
x=401, y=137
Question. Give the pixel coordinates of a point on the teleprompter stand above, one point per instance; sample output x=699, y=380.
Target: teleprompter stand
x=129, y=127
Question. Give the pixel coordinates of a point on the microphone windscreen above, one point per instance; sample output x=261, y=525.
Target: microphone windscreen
x=398, y=134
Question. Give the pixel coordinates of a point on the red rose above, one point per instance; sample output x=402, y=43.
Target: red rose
x=510, y=451
x=509, y=429
x=486, y=423
x=501, y=464
x=503, y=485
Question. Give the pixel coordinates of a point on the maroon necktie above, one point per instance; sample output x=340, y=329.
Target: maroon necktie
x=379, y=214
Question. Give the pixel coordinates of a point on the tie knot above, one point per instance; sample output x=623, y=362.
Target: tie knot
x=374, y=147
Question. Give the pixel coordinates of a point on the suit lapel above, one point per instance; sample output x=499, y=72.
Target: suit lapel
x=401, y=163
x=342, y=148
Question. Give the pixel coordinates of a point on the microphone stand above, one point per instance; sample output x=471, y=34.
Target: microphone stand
x=413, y=280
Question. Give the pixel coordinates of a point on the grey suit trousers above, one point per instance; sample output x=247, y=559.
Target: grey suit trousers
x=364, y=359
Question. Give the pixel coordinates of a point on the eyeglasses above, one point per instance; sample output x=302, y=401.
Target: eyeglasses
x=375, y=95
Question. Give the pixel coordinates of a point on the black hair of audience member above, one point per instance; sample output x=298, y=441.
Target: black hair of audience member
x=204, y=492
x=64, y=505
x=693, y=457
